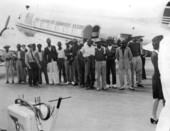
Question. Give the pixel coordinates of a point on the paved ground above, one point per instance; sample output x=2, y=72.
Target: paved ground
x=89, y=110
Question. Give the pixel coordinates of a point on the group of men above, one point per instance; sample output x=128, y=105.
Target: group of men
x=78, y=64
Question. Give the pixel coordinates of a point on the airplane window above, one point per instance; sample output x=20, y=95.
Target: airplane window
x=168, y=4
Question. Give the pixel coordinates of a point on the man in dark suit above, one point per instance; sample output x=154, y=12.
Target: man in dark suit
x=25, y=71
x=51, y=56
x=20, y=55
x=43, y=64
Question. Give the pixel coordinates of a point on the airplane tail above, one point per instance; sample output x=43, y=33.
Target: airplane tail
x=6, y=25
x=166, y=16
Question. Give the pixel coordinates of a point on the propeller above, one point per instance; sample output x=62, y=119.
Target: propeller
x=6, y=25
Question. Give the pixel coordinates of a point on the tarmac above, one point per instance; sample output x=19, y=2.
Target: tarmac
x=89, y=110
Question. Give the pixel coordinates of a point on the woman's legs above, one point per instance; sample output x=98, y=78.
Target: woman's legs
x=154, y=109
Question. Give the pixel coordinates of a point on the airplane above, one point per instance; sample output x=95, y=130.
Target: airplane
x=61, y=26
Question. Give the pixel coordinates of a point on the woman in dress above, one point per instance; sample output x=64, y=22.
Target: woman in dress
x=156, y=82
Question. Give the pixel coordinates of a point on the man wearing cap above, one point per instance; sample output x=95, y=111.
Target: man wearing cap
x=81, y=68
x=20, y=63
x=70, y=59
x=100, y=57
x=51, y=57
x=136, y=63
x=7, y=56
x=35, y=52
x=75, y=62
x=124, y=56
x=24, y=65
x=88, y=51
x=110, y=64
x=31, y=61
x=43, y=64
x=61, y=62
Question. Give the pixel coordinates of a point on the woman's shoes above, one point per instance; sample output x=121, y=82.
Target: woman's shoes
x=153, y=121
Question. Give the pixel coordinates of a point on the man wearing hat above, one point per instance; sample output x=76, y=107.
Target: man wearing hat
x=20, y=55
x=35, y=52
x=43, y=64
x=136, y=63
x=70, y=59
x=100, y=57
x=25, y=71
x=88, y=51
x=124, y=56
x=7, y=56
x=75, y=62
x=81, y=67
x=51, y=57
x=61, y=62
x=110, y=63
x=31, y=61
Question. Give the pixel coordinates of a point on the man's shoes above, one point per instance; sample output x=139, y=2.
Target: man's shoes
x=87, y=88
x=114, y=86
x=98, y=89
x=72, y=83
x=131, y=88
x=121, y=88
x=140, y=85
x=67, y=83
x=108, y=86
x=7, y=82
x=30, y=85
x=75, y=84
x=12, y=81
x=35, y=84
x=19, y=82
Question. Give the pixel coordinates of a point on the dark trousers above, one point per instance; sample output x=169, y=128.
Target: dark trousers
x=61, y=67
x=75, y=70
x=81, y=68
x=89, y=71
x=37, y=73
x=44, y=70
x=32, y=73
x=69, y=72
x=143, y=67
x=110, y=67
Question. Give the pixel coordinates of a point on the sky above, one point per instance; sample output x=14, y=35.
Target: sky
x=116, y=8
x=120, y=7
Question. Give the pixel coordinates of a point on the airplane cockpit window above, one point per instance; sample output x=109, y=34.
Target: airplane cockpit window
x=168, y=4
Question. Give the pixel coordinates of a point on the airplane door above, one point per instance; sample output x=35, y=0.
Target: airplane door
x=95, y=31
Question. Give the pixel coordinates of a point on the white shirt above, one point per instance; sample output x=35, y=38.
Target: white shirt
x=19, y=55
x=109, y=47
x=87, y=51
x=61, y=53
x=40, y=56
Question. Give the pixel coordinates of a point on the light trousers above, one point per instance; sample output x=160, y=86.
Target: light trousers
x=121, y=77
x=53, y=72
x=136, y=67
x=101, y=73
x=20, y=70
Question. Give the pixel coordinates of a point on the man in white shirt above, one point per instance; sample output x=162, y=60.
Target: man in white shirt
x=7, y=56
x=25, y=71
x=20, y=63
x=88, y=52
x=61, y=62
